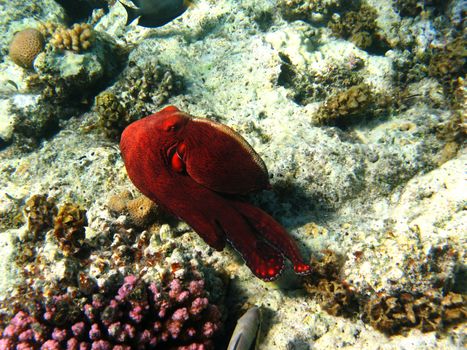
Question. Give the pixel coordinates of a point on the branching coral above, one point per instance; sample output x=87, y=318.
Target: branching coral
x=25, y=46
x=78, y=38
x=170, y=315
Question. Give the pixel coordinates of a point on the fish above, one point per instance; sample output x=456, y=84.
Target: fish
x=246, y=330
x=155, y=13
x=199, y=170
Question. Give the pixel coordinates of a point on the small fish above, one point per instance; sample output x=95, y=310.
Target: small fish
x=155, y=13
x=11, y=82
x=246, y=331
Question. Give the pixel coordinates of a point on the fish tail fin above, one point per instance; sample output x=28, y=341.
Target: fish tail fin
x=189, y=4
x=132, y=13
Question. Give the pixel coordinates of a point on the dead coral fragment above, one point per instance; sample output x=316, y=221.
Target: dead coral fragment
x=351, y=102
x=69, y=228
x=427, y=312
x=79, y=38
x=25, y=46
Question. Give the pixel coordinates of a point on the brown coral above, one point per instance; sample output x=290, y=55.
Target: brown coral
x=360, y=26
x=428, y=312
x=351, y=102
x=392, y=314
x=335, y=296
x=78, y=38
x=113, y=117
x=25, y=46
x=141, y=210
x=69, y=228
x=39, y=211
x=49, y=28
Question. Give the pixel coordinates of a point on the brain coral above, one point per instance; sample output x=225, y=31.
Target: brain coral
x=25, y=46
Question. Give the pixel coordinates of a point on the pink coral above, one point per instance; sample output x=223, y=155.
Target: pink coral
x=138, y=316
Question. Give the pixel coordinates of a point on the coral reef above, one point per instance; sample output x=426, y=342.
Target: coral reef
x=387, y=192
x=78, y=38
x=339, y=108
x=391, y=314
x=40, y=212
x=173, y=314
x=142, y=89
x=113, y=117
x=358, y=26
x=428, y=312
x=69, y=228
x=25, y=46
x=141, y=210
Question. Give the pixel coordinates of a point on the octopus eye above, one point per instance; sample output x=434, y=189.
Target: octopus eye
x=171, y=125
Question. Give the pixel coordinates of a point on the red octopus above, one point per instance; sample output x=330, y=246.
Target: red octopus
x=198, y=170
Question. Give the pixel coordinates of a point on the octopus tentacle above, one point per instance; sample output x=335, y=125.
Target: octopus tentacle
x=274, y=233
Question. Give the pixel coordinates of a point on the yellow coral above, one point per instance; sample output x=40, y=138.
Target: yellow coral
x=25, y=46
x=77, y=38
x=49, y=28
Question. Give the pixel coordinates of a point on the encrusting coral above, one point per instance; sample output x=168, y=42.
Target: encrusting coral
x=25, y=46
x=169, y=315
x=141, y=210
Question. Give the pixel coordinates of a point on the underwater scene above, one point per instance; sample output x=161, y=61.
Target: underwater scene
x=233, y=174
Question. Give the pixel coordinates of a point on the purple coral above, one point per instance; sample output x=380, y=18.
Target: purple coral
x=175, y=315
